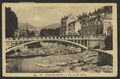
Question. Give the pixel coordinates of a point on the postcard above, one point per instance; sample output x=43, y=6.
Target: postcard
x=59, y=39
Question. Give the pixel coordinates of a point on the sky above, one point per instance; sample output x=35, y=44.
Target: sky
x=43, y=15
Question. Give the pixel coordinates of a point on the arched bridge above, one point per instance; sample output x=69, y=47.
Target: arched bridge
x=41, y=40
x=85, y=41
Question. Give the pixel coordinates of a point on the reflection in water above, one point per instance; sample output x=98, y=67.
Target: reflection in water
x=14, y=65
x=40, y=64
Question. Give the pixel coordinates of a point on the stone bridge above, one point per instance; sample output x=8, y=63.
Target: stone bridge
x=19, y=44
x=83, y=42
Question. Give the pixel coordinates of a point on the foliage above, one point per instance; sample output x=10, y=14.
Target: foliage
x=11, y=22
x=50, y=32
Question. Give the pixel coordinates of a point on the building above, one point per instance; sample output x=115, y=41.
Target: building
x=63, y=27
x=96, y=23
x=69, y=25
x=91, y=25
x=107, y=23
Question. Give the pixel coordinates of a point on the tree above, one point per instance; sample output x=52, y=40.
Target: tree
x=95, y=12
x=33, y=33
x=11, y=22
x=90, y=14
x=42, y=32
x=107, y=9
x=57, y=31
x=99, y=11
x=50, y=32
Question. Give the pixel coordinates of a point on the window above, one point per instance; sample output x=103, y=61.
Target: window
x=101, y=31
x=95, y=23
x=69, y=28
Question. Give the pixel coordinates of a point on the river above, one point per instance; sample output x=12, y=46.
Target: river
x=57, y=58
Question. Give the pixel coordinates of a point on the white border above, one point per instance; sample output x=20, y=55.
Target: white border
x=86, y=74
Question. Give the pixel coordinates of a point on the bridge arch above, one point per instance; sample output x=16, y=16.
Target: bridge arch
x=57, y=40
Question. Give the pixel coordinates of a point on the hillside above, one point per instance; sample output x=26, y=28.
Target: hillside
x=24, y=26
x=53, y=26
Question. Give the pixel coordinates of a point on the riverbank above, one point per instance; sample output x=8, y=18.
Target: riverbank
x=58, y=63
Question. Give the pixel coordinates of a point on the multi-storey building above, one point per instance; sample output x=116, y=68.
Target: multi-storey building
x=91, y=25
x=95, y=24
x=69, y=25
x=107, y=23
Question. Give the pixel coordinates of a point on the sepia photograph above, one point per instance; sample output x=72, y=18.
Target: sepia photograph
x=59, y=39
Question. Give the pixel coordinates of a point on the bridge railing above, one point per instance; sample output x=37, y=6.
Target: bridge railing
x=57, y=37
x=81, y=40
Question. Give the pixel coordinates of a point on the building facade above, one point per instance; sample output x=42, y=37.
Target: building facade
x=91, y=24
x=96, y=24
x=69, y=25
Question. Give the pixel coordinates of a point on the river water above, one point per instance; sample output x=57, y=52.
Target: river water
x=42, y=64
x=51, y=64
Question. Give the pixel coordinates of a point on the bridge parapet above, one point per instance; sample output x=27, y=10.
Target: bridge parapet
x=58, y=37
x=91, y=41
